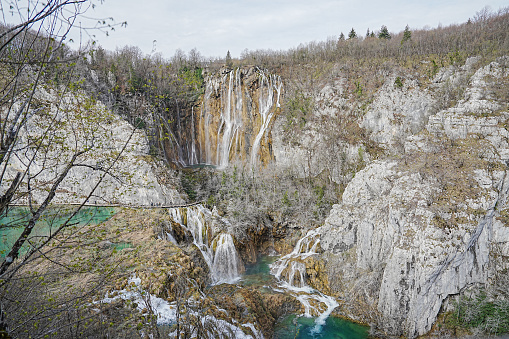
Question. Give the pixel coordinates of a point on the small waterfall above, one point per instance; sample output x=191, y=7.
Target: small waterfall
x=220, y=254
x=225, y=267
x=290, y=270
x=265, y=102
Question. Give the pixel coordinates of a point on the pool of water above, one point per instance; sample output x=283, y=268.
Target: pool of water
x=259, y=272
x=294, y=326
x=304, y=328
x=16, y=219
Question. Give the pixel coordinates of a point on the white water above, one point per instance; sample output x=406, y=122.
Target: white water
x=230, y=132
x=166, y=312
x=220, y=254
x=207, y=117
x=290, y=270
x=231, y=118
x=226, y=260
x=265, y=102
x=193, y=158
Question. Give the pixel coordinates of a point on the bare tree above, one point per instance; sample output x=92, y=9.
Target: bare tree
x=49, y=130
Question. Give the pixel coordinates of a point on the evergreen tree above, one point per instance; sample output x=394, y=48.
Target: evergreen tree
x=372, y=34
x=407, y=35
x=342, y=36
x=229, y=62
x=352, y=34
x=384, y=33
x=367, y=33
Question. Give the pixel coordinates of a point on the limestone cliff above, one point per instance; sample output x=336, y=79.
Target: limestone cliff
x=107, y=148
x=415, y=229
x=232, y=121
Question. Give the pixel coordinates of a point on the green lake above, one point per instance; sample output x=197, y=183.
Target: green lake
x=11, y=226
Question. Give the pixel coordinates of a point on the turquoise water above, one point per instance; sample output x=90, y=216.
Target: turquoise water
x=12, y=224
x=334, y=328
x=259, y=272
x=295, y=327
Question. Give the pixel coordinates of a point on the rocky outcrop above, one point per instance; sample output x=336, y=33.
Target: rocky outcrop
x=107, y=149
x=424, y=226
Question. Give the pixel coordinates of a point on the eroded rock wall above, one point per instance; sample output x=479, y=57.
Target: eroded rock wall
x=423, y=226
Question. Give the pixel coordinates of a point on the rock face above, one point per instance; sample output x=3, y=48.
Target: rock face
x=232, y=123
x=428, y=224
x=106, y=147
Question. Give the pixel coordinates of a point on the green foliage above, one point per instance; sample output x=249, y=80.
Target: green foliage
x=341, y=37
x=482, y=313
x=189, y=181
x=286, y=201
x=384, y=33
x=352, y=34
x=398, y=82
x=358, y=88
x=407, y=35
x=228, y=60
x=298, y=108
x=435, y=69
x=139, y=123
x=456, y=58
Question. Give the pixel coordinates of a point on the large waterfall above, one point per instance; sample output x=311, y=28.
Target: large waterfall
x=233, y=122
x=219, y=253
x=290, y=270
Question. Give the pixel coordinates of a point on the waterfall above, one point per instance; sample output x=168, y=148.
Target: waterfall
x=290, y=270
x=220, y=254
x=193, y=159
x=207, y=116
x=231, y=117
x=265, y=103
x=225, y=266
x=224, y=136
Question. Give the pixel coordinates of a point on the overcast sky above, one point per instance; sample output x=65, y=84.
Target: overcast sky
x=214, y=27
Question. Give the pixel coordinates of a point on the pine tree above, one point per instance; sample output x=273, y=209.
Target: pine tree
x=228, y=60
x=341, y=36
x=407, y=35
x=384, y=33
x=352, y=34
x=367, y=33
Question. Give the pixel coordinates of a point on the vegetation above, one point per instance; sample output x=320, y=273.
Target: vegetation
x=480, y=313
x=159, y=96
x=257, y=200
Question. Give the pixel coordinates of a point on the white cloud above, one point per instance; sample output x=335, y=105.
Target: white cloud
x=214, y=27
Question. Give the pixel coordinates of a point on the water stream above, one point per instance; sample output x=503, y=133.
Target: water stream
x=270, y=274
x=219, y=253
x=296, y=326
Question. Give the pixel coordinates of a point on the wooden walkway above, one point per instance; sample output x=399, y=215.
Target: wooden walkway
x=123, y=205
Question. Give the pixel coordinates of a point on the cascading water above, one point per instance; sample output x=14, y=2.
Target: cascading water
x=228, y=126
x=231, y=118
x=225, y=266
x=206, y=116
x=193, y=158
x=290, y=270
x=220, y=254
x=266, y=99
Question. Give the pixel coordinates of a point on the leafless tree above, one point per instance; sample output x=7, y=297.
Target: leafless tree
x=48, y=130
